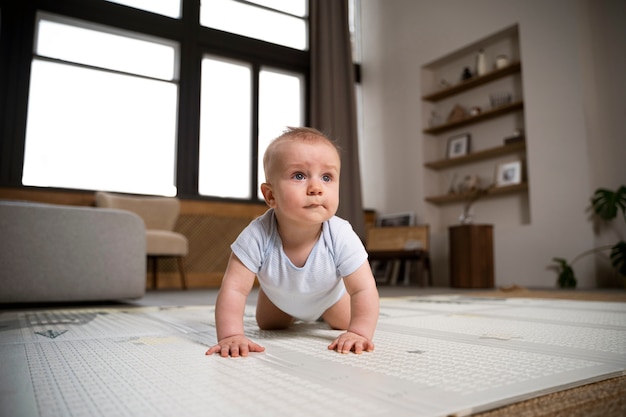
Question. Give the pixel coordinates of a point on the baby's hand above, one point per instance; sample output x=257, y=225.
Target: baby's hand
x=235, y=346
x=349, y=341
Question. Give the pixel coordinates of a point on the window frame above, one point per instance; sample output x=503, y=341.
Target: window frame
x=17, y=35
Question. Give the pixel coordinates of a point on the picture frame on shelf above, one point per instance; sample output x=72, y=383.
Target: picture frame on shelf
x=396, y=219
x=459, y=145
x=508, y=173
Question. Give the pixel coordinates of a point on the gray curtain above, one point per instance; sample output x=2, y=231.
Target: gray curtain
x=333, y=102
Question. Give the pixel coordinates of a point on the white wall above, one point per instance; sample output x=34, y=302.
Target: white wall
x=574, y=109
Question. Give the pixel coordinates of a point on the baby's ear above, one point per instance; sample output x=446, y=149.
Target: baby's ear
x=268, y=194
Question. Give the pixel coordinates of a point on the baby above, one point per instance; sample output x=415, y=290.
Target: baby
x=309, y=263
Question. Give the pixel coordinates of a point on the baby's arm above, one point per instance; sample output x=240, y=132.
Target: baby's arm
x=364, y=309
x=229, y=310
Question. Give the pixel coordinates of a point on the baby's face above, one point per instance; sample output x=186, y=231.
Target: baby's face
x=304, y=180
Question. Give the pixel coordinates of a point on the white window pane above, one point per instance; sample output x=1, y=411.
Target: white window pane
x=354, y=14
x=105, y=50
x=254, y=22
x=170, y=8
x=225, y=128
x=295, y=7
x=90, y=129
x=280, y=105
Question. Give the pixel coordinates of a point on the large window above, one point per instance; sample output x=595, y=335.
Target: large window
x=282, y=22
x=101, y=110
x=148, y=96
x=169, y=8
x=225, y=129
x=281, y=104
x=226, y=125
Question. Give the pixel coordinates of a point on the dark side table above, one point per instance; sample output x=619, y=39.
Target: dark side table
x=471, y=256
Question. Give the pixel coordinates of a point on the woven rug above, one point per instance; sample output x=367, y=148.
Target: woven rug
x=616, y=295
x=435, y=356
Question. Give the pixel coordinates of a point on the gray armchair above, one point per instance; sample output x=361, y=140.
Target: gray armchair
x=159, y=215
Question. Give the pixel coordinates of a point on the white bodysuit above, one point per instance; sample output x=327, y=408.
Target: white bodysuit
x=302, y=292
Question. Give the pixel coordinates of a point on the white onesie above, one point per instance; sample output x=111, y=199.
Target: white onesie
x=307, y=292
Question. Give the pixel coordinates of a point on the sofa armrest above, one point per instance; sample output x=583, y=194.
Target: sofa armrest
x=52, y=253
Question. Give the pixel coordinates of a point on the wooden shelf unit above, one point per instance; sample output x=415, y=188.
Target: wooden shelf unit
x=512, y=68
x=489, y=114
x=477, y=156
x=490, y=192
x=486, y=128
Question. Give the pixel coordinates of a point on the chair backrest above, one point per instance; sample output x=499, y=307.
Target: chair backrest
x=158, y=213
x=398, y=238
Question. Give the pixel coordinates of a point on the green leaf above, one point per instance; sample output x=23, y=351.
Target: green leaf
x=566, y=278
x=618, y=257
x=606, y=203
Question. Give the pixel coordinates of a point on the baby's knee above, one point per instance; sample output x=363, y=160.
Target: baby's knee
x=272, y=324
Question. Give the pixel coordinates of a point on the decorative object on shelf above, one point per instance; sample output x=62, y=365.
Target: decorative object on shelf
x=452, y=186
x=516, y=137
x=466, y=74
x=435, y=119
x=459, y=145
x=500, y=99
x=470, y=184
x=508, y=173
x=467, y=216
x=472, y=194
x=457, y=114
x=475, y=111
x=606, y=204
x=501, y=61
x=444, y=84
x=481, y=63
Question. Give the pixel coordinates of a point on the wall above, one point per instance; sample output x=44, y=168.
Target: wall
x=604, y=64
x=564, y=161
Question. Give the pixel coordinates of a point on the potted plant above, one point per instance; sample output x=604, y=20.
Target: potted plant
x=606, y=204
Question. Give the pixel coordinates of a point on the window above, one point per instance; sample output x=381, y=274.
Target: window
x=170, y=8
x=102, y=110
x=227, y=144
x=281, y=104
x=139, y=96
x=225, y=129
x=282, y=22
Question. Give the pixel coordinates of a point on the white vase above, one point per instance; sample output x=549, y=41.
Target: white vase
x=481, y=63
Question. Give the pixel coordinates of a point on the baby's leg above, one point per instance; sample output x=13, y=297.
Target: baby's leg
x=338, y=316
x=270, y=317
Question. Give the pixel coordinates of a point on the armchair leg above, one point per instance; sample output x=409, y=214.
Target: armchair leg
x=153, y=262
x=181, y=269
x=428, y=268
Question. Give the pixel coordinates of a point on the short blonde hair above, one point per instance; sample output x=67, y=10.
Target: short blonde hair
x=303, y=134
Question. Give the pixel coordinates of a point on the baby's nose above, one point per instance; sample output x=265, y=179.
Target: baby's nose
x=314, y=187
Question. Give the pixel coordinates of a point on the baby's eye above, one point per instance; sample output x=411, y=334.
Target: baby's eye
x=327, y=178
x=298, y=176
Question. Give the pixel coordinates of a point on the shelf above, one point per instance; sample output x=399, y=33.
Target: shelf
x=477, y=156
x=491, y=192
x=489, y=114
x=513, y=68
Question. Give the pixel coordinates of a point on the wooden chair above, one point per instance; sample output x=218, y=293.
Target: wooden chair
x=159, y=215
x=404, y=243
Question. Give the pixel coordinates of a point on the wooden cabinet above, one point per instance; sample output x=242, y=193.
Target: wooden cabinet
x=471, y=256
x=488, y=120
